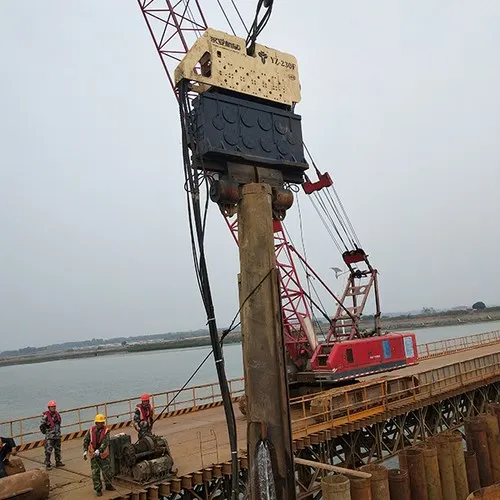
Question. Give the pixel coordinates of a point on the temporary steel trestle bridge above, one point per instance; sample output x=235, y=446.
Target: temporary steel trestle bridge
x=366, y=422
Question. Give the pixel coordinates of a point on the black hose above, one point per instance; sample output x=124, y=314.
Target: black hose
x=197, y=230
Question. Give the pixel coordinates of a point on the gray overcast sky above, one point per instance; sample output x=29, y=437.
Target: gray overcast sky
x=400, y=102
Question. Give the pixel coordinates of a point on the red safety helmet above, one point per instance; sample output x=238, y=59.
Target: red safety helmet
x=145, y=397
x=51, y=403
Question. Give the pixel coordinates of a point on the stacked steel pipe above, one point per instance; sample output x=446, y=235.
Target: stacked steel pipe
x=441, y=469
x=339, y=487
x=483, y=439
x=438, y=469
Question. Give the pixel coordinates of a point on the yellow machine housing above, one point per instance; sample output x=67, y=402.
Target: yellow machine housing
x=220, y=60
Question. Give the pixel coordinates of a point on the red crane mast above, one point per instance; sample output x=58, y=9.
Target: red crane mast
x=174, y=27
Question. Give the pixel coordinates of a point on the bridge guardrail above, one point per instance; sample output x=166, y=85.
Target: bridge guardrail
x=450, y=346
x=119, y=413
x=317, y=412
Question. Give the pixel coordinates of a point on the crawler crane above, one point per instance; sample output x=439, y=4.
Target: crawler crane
x=189, y=50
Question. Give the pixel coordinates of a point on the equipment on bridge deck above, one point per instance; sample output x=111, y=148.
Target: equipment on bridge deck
x=144, y=462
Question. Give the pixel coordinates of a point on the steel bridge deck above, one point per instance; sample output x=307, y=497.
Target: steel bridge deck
x=199, y=440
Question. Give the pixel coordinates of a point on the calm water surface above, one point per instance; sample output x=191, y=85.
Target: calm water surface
x=25, y=389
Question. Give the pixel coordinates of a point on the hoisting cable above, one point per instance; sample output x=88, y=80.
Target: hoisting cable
x=345, y=214
x=339, y=201
x=233, y=325
x=328, y=215
x=319, y=326
x=342, y=221
x=302, y=260
x=327, y=227
x=308, y=281
x=332, y=207
x=197, y=28
x=239, y=15
x=227, y=18
x=321, y=309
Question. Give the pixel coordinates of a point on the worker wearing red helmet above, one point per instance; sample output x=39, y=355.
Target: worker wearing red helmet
x=51, y=427
x=143, y=417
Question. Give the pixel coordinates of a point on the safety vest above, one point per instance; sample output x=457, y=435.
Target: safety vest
x=95, y=442
x=52, y=418
x=146, y=414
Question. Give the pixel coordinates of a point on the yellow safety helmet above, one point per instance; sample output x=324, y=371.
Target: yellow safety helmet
x=99, y=418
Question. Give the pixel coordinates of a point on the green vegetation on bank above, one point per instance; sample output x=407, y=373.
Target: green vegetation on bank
x=200, y=338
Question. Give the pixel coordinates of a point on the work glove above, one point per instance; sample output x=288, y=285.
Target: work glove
x=97, y=453
x=85, y=455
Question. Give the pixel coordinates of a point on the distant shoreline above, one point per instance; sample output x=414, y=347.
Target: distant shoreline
x=449, y=318
x=108, y=351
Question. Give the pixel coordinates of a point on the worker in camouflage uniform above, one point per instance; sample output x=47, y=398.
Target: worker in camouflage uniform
x=7, y=447
x=96, y=444
x=143, y=417
x=50, y=426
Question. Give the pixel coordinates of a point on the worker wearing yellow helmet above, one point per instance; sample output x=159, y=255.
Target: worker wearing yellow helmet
x=96, y=444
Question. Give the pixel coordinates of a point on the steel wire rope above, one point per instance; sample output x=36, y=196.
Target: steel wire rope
x=332, y=187
x=345, y=214
x=321, y=309
x=303, y=243
x=341, y=213
x=192, y=19
x=327, y=227
x=319, y=325
x=239, y=15
x=328, y=216
x=308, y=279
x=343, y=224
x=225, y=333
x=339, y=302
x=343, y=220
x=322, y=201
x=227, y=18
x=305, y=269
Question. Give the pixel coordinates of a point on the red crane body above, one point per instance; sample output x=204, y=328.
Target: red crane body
x=347, y=353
